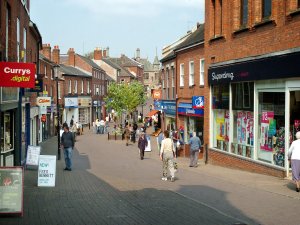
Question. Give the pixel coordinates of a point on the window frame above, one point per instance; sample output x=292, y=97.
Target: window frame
x=191, y=73
x=70, y=87
x=264, y=4
x=244, y=5
x=201, y=72
x=181, y=75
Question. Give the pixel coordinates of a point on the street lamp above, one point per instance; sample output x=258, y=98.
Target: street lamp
x=55, y=68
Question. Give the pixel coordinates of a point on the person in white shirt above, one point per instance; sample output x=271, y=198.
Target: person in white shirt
x=167, y=154
x=294, y=156
x=102, y=124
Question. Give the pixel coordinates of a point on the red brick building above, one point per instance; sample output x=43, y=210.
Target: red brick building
x=192, y=87
x=20, y=41
x=252, y=53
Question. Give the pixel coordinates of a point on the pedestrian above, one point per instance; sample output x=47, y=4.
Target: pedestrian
x=167, y=154
x=195, y=145
x=102, y=125
x=97, y=123
x=159, y=140
x=142, y=143
x=72, y=122
x=67, y=144
x=134, y=129
x=127, y=134
x=294, y=156
x=74, y=131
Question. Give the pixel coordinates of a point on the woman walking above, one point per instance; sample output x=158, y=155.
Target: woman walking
x=167, y=153
x=294, y=156
x=142, y=143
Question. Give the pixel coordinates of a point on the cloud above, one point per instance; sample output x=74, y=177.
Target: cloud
x=133, y=8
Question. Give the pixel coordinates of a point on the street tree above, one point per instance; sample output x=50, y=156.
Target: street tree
x=125, y=97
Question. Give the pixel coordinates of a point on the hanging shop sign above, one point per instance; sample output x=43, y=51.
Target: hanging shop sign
x=198, y=102
x=43, y=101
x=278, y=66
x=14, y=74
x=11, y=190
x=187, y=110
x=85, y=102
x=157, y=94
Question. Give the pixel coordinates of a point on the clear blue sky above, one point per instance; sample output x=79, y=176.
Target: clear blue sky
x=121, y=25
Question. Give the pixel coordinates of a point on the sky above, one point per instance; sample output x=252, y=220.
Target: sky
x=121, y=25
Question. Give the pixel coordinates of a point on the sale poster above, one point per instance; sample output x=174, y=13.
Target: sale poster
x=220, y=126
x=241, y=127
x=267, y=123
x=227, y=127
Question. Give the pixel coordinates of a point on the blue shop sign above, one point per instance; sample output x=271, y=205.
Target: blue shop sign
x=169, y=107
x=186, y=109
x=198, y=102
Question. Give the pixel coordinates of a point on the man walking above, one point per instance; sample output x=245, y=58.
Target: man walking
x=195, y=145
x=67, y=144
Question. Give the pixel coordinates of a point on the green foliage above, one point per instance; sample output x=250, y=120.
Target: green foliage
x=125, y=97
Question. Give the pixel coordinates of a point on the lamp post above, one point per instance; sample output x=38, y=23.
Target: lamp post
x=57, y=111
x=97, y=109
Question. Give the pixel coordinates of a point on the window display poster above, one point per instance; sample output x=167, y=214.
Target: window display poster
x=220, y=126
x=227, y=127
x=265, y=135
x=249, y=129
x=47, y=171
x=11, y=190
x=241, y=127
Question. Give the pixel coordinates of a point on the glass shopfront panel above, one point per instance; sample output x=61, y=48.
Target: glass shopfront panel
x=271, y=128
x=193, y=124
x=7, y=132
x=220, y=98
x=243, y=119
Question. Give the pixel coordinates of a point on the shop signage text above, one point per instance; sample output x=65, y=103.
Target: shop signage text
x=198, y=102
x=17, y=74
x=43, y=101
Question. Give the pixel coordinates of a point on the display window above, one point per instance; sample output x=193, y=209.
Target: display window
x=7, y=132
x=221, y=125
x=271, y=128
x=193, y=124
x=243, y=119
x=84, y=115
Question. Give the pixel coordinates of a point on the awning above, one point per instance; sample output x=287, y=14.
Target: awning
x=152, y=112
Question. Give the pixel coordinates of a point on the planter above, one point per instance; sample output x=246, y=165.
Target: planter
x=115, y=136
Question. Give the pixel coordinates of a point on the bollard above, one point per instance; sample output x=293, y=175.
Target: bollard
x=206, y=154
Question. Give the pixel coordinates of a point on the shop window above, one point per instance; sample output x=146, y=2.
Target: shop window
x=244, y=13
x=193, y=124
x=271, y=128
x=221, y=117
x=266, y=9
x=181, y=75
x=7, y=132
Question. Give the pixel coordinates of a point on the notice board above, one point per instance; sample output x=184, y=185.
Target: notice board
x=33, y=154
x=47, y=171
x=11, y=190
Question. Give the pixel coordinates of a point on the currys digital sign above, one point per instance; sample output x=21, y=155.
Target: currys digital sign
x=14, y=74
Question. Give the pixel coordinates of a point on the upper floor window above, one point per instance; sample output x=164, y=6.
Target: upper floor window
x=24, y=44
x=173, y=76
x=146, y=76
x=201, y=72
x=51, y=74
x=82, y=86
x=70, y=87
x=45, y=70
x=51, y=91
x=266, y=8
x=59, y=94
x=163, y=80
x=18, y=40
x=181, y=75
x=88, y=87
x=298, y=5
x=244, y=13
x=192, y=74
x=167, y=77
x=75, y=86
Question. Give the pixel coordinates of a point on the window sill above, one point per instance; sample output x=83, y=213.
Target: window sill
x=181, y=87
x=216, y=38
x=293, y=14
x=239, y=31
x=191, y=86
x=201, y=85
x=264, y=23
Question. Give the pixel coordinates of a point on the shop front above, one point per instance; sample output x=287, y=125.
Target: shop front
x=190, y=120
x=70, y=110
x=255, y=112
x=84, y=105
x=168, y=108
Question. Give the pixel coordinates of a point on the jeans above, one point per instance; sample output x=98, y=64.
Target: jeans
x=68, y=157
x=194, y=158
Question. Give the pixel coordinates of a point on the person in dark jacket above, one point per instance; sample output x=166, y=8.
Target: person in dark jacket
x=67, y=144
x=142, y=143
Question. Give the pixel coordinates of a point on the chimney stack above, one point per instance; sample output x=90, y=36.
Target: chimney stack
x=138, y=53
x=107, y=52
x=104, y=53
x=47, y=51
x=97, y=54
x=71, y=55
x=56, y=54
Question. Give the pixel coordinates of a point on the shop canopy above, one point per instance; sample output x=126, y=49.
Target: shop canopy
x=151, y=113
